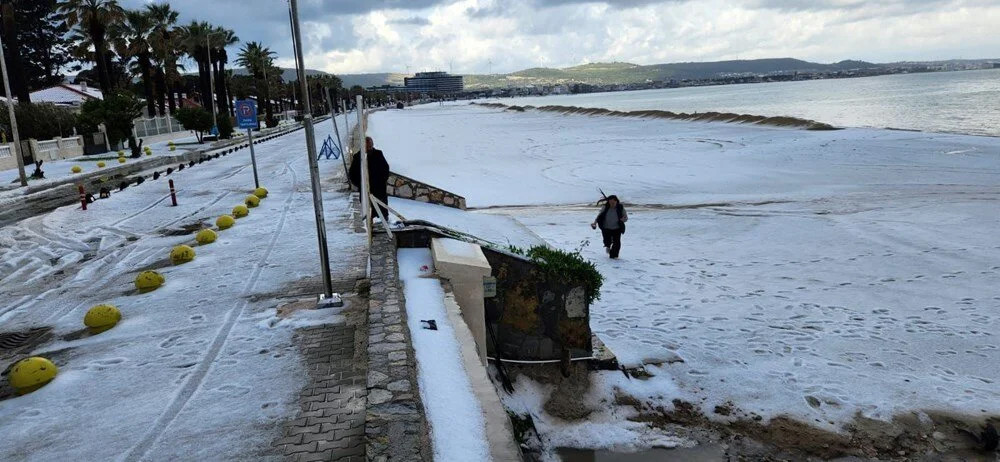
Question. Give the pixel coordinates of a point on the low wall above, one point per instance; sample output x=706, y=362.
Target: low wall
x=7, y=159
x=535, y=318
x=405, y=187
x=395, y=423
x=57, y=148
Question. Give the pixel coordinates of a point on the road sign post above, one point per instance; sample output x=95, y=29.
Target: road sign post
x=246, y=117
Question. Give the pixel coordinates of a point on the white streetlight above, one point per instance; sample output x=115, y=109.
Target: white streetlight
x=16, y=151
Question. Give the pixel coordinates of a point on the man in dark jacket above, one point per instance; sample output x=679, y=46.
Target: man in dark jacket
x=611, y=220
x=378, y=175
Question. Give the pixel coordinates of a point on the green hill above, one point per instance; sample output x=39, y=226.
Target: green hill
x=625, y=73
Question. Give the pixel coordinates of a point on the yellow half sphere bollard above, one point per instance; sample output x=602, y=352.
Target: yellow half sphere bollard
x=252, y=201
x=206, y=236
x=121, y=153
x=101, y=318
x=240, y=211
x=76, y=169
x=121, y=160
x=260, y=192
x=173, y=148
x=31, y=374
x=181, y=254
x=148, y=281
x=101, y=165
x=225, y=222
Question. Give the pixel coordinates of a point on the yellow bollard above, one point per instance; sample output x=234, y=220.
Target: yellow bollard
x=181, y=254
x=101, y=318
x=31, y=374
x=240, y=211
x=76, y=169
x=148, y=281
x=225, y=222
x=101, y=165
x=121, y=160
x=260, y=192
x=252, y=201
x=206, y=236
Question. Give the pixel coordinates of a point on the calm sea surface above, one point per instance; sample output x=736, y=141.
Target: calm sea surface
x=952, y=102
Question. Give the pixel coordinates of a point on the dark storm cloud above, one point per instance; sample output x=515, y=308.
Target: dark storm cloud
x=266, y=21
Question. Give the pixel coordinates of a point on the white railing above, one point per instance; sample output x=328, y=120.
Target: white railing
x=5, y=151
x=156, y=126
x=48, y=145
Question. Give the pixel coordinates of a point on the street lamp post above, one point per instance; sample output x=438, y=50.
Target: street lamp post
x=211, y=80
x=307, y=122
x=16, y=151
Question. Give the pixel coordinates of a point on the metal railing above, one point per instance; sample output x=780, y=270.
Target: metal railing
x=156, y=126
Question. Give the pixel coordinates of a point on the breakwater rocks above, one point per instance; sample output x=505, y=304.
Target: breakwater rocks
x=728, y=117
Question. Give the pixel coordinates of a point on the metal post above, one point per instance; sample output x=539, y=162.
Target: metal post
x=317, y=191
x=173, y=193
x=253, y=159
x=336, y=130
x=16, y=150
x=347, y=127
x=365, y=187
x=211, y=79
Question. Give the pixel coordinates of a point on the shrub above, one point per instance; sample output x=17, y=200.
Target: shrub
x=117, y=112
x=40, y=121
x=195, y=118
x=566, y=267
x=225, y=126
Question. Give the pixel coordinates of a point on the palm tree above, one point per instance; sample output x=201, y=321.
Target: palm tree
x=220, y=39
x=93, y=18
x=258, y=59
x=194, y=41
x=164, y=40
x=131, y=38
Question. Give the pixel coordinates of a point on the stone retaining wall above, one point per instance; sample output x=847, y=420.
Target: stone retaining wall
x=405, y=187
x=536, y=317
x=395, y=425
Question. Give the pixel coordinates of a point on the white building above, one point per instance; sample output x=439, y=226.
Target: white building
x=66, y=94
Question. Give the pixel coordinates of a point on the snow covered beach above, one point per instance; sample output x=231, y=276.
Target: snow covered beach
x=813, y=274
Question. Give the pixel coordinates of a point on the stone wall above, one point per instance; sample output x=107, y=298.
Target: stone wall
x=395, y=424
x=534, y=317
x=405, y=187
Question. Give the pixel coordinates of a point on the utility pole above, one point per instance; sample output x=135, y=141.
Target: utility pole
x=211, y=80
x=16, y=151
x=307, y=122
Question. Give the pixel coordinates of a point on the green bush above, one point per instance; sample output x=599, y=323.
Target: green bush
x=117, y=112
x=566, y=267
x=40, y=121
x=225, y=126
x=195, y=118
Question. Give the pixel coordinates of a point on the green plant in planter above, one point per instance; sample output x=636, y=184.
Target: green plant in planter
x=566, y=267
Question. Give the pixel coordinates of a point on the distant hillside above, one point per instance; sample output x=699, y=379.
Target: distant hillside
x=623, y=73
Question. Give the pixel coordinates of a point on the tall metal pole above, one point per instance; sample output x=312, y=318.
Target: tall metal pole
x=253, y=158
x=307, y=122
x=16, y=151
x=336, y=130
x=211, y=80
x=365, y=187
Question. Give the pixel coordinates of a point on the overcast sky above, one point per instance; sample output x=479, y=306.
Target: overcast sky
x=464, y=36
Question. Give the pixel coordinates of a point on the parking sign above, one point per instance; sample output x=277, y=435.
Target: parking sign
x=246, y=114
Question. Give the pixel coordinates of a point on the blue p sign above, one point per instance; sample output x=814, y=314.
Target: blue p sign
x=246, y=114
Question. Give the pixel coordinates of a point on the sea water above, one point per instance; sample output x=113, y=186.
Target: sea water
x=950, y=102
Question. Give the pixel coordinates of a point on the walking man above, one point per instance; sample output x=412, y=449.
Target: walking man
x=378, y=176
x=611, y=220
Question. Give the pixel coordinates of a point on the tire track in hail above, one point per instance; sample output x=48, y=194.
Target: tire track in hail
x=195, y=381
